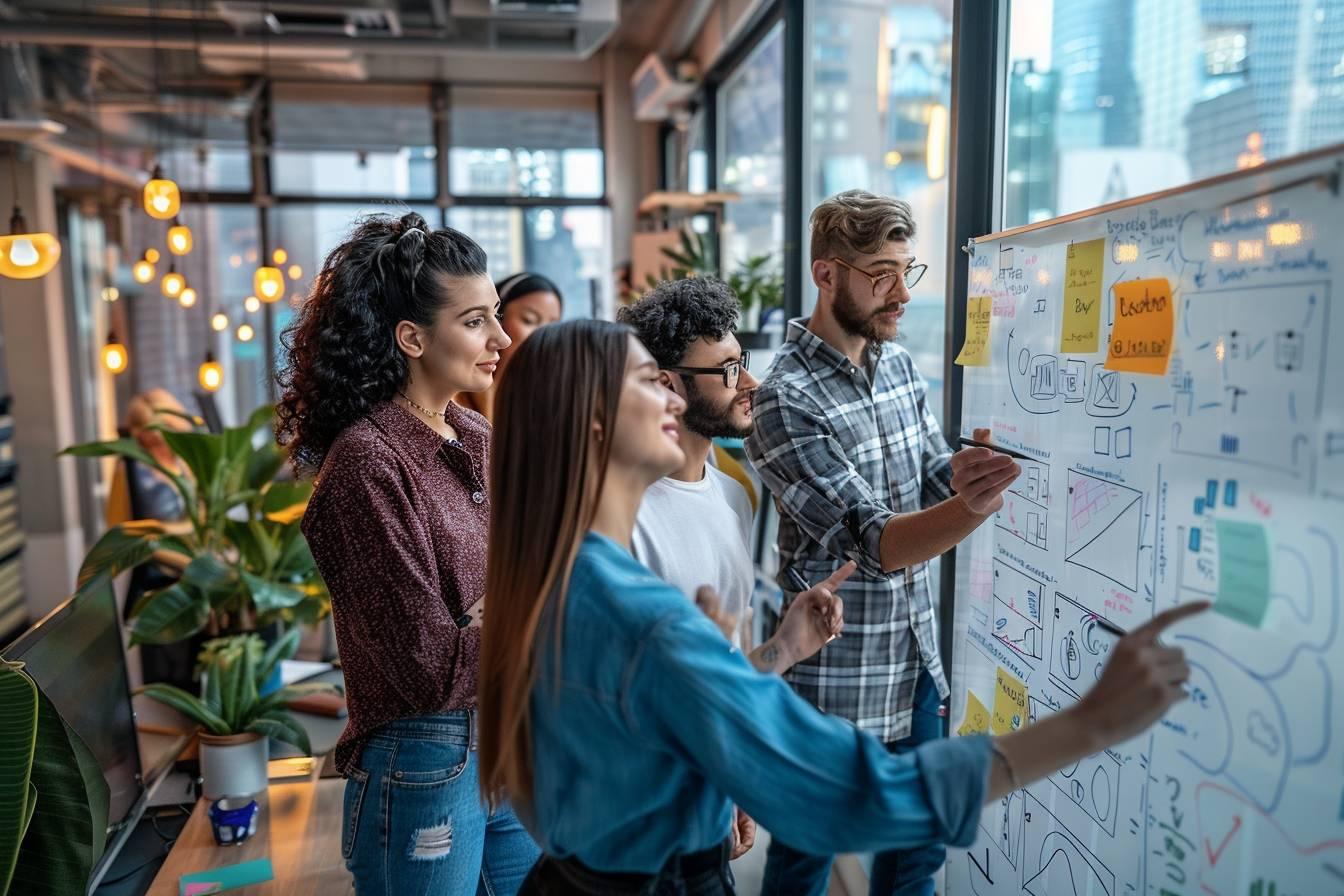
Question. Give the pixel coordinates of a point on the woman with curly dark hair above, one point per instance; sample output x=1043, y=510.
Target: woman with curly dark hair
x=400, y=319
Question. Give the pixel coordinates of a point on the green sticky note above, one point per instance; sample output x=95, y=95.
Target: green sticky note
x=1243, y=571
x=229, y=877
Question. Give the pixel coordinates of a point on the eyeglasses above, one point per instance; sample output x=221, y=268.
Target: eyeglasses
x=731, y=372
x=885, y=282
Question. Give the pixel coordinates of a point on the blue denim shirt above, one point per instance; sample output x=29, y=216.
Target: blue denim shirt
x=653, y=726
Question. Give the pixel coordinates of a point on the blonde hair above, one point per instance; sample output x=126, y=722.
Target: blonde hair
x=857, y=222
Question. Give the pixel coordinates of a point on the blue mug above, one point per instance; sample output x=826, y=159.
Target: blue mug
x=232, y=820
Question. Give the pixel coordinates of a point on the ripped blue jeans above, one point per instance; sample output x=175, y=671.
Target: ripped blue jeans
x=414, y=821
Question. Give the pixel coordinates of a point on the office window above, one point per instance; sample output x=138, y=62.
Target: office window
x=535, y=142
x=1109, y=100
x=570, y=245
x=376, y=142
x=208, y=153
x=751, y=154
x=888, y=100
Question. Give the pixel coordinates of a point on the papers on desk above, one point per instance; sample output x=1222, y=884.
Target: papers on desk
x=292, y=671
x=229, y=877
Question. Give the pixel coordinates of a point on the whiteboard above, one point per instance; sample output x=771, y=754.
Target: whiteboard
x=1167, y=364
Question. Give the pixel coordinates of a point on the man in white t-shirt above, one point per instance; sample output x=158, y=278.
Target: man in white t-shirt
x=694, y=525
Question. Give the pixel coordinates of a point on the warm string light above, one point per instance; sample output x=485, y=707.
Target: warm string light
x=220, y=322
x=24, y=254
x=269, y=284
x=173, y=283
x=179, y=239
x=210, y=374
x=251, y=304
x=162, y=198
x=115, y=357
x=245, y=332
x=188, y=298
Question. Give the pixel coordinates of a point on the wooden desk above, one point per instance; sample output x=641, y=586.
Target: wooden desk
x=299, y=830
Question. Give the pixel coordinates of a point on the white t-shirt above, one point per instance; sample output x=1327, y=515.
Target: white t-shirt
x=693, y=534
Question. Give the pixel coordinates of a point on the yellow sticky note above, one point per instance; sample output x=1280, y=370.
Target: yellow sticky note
x=1078, y=332
x=1145, y=321
x=975, y=352
x=977, y=717
x=1010, y=703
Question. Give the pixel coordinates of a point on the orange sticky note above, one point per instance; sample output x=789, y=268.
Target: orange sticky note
x=1078, y=330
x=1010, y=703
x=977, y=717
x=1145, y=322
x=975, y=351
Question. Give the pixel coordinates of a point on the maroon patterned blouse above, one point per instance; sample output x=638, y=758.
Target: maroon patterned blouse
x=397, y=525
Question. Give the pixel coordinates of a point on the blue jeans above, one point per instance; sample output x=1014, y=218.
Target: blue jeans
x=414, y=821
x=896, y=872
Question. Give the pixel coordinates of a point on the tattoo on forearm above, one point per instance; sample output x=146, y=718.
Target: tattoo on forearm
x=769, y=654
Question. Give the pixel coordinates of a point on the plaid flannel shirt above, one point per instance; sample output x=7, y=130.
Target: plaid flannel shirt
x=843, y=450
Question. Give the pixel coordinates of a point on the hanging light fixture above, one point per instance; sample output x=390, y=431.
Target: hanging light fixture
x=173, y=283
x=269, y=284
x=295, y=272
x=210, y=374
x=279, y=256
x=245, y=332
x=251, y=304
x=220, y=322
x=163, y=200
x=115, y=356
x=187, y=298
x=111, y=293
x=25, y=255
x=152, y=255
x=179, y=238
x=143, y=270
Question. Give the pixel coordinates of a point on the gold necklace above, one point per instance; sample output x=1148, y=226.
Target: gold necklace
x=432, y=415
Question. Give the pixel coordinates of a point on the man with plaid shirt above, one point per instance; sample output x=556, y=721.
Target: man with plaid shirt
x=860, y=470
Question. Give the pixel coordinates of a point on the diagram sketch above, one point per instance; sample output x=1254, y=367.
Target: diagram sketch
x=1079, y=647
x=1026, y=506
x=1054, y=862
x=1017, y=610
x=1103, y=528
x=1094, y=784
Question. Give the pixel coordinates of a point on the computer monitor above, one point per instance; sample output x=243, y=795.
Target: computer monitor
x=75, y=656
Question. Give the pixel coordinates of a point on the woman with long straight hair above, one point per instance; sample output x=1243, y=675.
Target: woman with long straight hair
x=400, y=319
x=624, y=726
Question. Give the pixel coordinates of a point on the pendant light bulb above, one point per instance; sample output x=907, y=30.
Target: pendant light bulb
x=179, y=239
x=245, y=332
x=152, y=255
x=251, y=304
x=25, y=255
x=115, y=356
x=210, y=374
x=269, y=284
x=187, y=298
x=173, y=283
x=111, y=293
x=143, y=271
x=220, y=322
x=163, y=199
x=279, y=256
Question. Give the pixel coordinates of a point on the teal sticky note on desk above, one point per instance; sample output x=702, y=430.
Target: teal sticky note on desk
x=1243, y=571
x=229, y=877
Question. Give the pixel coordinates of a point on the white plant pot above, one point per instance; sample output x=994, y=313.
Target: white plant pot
x=234, y=765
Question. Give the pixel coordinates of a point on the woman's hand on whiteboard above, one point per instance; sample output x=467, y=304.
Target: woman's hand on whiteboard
x=980, y=476
x=1140, y=682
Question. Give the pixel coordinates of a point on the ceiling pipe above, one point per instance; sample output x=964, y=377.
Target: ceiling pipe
x=136, y=37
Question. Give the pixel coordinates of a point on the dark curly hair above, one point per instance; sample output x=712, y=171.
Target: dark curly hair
x=675, y=313
x=342, y=357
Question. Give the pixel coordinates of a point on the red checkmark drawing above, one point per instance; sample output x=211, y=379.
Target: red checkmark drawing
x=1215, y=854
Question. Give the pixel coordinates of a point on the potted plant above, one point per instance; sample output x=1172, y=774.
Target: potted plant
x=235, y=718
x=246, y=564
x=760, y=288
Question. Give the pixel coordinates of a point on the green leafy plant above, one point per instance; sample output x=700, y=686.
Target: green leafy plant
x=695, y=257
x=235, y=668
x=53, y=797
x=247, y=565
x=759, y=285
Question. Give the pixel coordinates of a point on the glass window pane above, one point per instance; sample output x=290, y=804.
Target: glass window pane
x=884, y=72
x=512, y=142
x=210, y=154
x=1109, y=100
x=371, y=142
x=751, y=128
x=571, y=246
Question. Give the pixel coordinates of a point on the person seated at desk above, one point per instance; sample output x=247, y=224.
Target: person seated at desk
x=620, y=722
